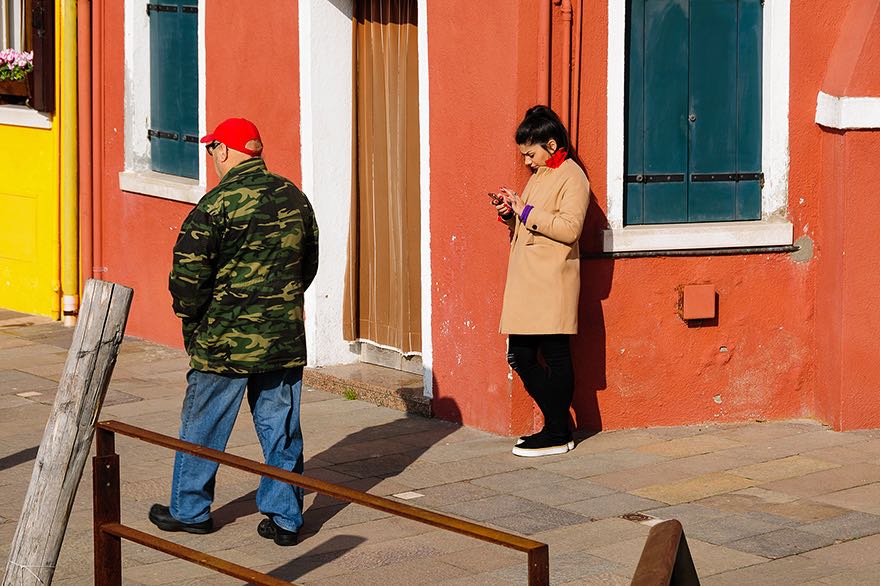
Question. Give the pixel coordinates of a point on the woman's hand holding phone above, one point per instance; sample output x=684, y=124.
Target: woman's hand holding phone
x=513, y=200
x=501, y=206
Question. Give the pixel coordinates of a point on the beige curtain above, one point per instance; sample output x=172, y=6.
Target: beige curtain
x=383, y=277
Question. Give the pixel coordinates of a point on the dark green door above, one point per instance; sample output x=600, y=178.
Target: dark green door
x=693, y=112
x=174, y=91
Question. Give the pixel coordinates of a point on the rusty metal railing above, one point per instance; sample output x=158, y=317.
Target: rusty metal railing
x=666, y=559
x=109, y=531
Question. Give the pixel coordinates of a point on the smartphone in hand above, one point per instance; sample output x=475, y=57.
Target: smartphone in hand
x=498, y=200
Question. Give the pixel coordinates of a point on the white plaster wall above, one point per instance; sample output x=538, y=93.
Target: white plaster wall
x=326, y=101
x=425, y=191
x=775, y=95
x=137, y=86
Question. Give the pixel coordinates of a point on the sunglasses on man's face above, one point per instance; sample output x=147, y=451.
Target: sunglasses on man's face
x=211, y=146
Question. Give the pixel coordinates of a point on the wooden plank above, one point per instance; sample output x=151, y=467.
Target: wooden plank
x=105, y=502
x=665, y=559
x=665, y=55
x=192, y=555
x=42, y=19
x=539, y=567
x=68, y=435
x=340, y=492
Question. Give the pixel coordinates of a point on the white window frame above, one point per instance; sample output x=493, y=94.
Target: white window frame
x=13, y=114
x=17, y=115
x=773, y=229
x=138, y=176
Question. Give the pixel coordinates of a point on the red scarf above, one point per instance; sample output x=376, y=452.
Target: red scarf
x=557, y=158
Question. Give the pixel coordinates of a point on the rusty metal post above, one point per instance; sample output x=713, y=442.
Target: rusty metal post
x=539, y=566
x=105, y=501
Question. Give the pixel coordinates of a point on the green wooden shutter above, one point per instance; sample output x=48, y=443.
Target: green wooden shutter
x=693, y=116
x=174, y=109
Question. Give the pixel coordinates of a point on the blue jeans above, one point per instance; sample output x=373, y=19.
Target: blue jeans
x=209, y=411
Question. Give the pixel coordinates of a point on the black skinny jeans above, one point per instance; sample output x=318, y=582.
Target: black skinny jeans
x=551, y=384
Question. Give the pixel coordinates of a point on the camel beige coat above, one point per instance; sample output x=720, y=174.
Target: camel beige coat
x=544, y=271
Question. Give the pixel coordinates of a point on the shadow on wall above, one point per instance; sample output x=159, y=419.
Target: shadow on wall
x=588, y=346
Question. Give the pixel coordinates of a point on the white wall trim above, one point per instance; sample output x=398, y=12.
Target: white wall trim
x=847, y=113
x=12, y=115
x=137, y=87
x=697, y=236
x=161, y=185
x=138, y=171
x=306, y=165
x=326, y=99
x=425, y=191
x=775, y=110
x=616, y=101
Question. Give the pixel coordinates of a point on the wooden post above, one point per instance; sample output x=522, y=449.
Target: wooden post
x=666, y=559
x=65, y=446
x=539, y=566
x=105, y=503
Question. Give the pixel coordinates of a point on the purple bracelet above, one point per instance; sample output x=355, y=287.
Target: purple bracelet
x=525, y=213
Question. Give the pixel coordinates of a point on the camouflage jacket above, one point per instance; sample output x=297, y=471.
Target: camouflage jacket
x=244, y=257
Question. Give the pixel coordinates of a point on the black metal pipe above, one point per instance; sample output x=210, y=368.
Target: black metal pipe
x=694, y=252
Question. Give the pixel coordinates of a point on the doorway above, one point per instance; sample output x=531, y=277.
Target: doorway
x=383, y=289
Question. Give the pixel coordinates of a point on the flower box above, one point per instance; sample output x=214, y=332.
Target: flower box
x=16, y=85
x=15, y=91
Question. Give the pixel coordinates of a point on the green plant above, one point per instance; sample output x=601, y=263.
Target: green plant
x=349, y=394
x=15, y=65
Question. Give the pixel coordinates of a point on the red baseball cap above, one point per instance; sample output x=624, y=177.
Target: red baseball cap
x=236, y=133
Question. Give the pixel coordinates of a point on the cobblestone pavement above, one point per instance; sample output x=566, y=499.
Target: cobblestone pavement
x=761, y=503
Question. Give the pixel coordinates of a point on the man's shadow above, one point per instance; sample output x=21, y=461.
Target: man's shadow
x=588, y=346
x=361, y=460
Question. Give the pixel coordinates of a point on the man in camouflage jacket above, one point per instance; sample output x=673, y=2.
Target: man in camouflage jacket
x=243, y=260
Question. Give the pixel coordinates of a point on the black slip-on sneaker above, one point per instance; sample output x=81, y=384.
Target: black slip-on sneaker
x=528, y=437
x=281, y=536
x=542, y=445
x=160, y=516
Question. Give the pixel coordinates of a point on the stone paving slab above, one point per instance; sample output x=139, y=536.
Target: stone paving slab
x=781, y=543
x=793, y=466
x=790, y=571
x=694, y=489
x=866, y=576
x=861, y=498
x=827, y=481
x=745, y=493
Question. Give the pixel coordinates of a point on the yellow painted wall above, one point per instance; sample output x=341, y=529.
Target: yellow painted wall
x=29, y=212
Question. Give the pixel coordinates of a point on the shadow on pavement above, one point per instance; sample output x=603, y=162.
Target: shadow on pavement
x=13, y=460
x=367, y=457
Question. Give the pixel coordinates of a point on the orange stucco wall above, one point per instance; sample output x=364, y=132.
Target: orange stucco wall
x=848, y=278
x=637, y=362
x=793, y=337
x=482, y=77
x=249, y=73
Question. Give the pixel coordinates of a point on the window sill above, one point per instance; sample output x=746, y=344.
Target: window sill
x=11, y=115
x=161, y=185
x=698, y=236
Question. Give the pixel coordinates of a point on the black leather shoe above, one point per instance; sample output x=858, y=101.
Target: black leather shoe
x=268, y=529
x=160, y=516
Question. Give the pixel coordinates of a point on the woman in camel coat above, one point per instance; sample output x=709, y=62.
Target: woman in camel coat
x=543, y=275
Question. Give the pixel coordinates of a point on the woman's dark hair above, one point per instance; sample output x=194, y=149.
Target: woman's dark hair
x=540, y=125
